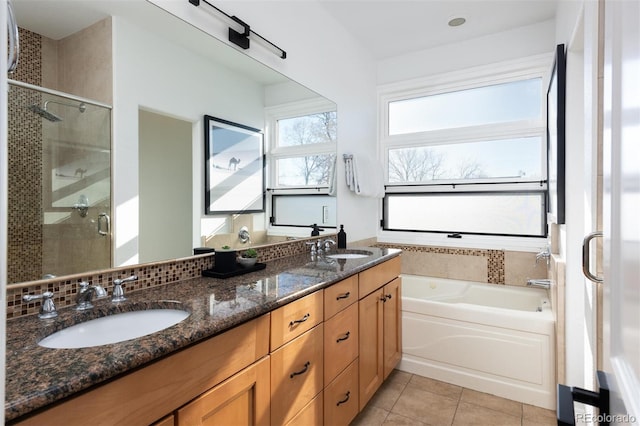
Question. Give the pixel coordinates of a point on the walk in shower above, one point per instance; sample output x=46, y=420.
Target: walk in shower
x=59, y=175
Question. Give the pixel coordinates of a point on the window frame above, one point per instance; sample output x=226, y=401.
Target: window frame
x=538, y=66
x=275, y=153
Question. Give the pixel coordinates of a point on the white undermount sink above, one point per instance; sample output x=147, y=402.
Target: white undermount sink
x=114, y=328
x=350, y=255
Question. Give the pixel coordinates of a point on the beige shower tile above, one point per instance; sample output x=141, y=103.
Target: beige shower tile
x=472, y=414
x=467, y=268
x=491, y=402
x=520, y=266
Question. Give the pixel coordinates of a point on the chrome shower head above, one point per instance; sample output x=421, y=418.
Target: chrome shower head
x=44, y=113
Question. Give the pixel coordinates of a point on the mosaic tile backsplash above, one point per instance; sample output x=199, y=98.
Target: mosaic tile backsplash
x=149, y=275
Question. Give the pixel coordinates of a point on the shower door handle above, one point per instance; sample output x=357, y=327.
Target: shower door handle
x=586, y=257
x=104, y=218
x=14, y=39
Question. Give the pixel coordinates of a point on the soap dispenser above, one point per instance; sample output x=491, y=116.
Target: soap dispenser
x=342, y=238
x=315, y=231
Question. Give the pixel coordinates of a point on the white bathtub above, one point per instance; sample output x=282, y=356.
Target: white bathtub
x=491, y=338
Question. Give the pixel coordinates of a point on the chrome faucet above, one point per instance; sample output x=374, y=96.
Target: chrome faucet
x=118, y=292
x=539, y=283
x=327, y=244
x=244, y=235
x=47, y=309
x=86, y=293
x=545, y=254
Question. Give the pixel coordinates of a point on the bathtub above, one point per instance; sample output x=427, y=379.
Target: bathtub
x=491, y=338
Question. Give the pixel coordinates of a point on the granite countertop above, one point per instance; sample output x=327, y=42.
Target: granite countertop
x=37, y=376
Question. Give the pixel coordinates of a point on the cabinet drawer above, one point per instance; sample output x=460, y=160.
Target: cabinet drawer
x=296, y=375
x=311, y=415
x=340, y=342
x=340, y=295
x=377, y=276
x=290, y=321
x=241, y=399
x=341, y=397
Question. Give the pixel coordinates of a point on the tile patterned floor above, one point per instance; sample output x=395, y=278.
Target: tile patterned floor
x=409, y=399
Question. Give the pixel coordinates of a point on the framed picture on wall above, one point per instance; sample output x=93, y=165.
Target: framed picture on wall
x=234, y=168
x=556, y=114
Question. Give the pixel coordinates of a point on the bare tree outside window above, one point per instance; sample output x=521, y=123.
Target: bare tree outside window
x=307, y=130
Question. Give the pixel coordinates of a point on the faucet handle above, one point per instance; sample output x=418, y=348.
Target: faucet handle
x=118, y=292
x=48, y=309
x=312, y=245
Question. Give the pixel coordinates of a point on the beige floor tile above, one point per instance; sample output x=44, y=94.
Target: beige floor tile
x=370, y=416
x=425, y=406
x=398, y=376
x=492, y=402
x=474, y=415
x=531, y=412
x=388, y=394
x=543, y=421
x=435, y=386
x=396, y=419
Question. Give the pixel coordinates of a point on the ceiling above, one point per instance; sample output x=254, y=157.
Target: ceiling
x=384, y=28
x=388, y=28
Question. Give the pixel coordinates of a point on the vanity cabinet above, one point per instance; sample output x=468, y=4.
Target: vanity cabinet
x=379, y=326
x=314, y=361
x=151, y=393
x=297, y=358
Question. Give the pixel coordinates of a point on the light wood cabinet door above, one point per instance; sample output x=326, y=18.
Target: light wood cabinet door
x=311, y=415
x=392, y=325
x=377, y=276
x=340, y=295
x=341, y=403
x=290, y=321
x=296, y=375
x=240, y=400
x=371, y=372
x=340, y=342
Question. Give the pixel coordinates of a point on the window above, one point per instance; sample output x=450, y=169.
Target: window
x=468, y=154
x=301, y=157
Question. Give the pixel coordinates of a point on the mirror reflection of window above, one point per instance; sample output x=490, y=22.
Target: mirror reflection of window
x=301, y=161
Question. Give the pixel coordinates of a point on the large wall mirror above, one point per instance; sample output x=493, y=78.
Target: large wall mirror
x=132, y=74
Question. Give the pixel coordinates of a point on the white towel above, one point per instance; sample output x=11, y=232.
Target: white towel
x=364, y=176
x=332, y=177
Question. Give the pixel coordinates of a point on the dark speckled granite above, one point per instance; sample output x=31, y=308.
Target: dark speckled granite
x=37, y=376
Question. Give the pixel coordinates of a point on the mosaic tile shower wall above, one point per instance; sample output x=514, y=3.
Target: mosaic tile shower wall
x=24, y=249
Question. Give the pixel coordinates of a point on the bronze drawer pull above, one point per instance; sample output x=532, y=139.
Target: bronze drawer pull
x=304, y=370
x=345, y=337
x=383, y=299
x=344, y=400
x=303, y=319
x=388, y=296
x=343, y=296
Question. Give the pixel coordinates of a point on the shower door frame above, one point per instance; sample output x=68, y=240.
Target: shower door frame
x=95, y=103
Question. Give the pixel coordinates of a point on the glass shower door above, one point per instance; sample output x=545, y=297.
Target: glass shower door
x=59, y=185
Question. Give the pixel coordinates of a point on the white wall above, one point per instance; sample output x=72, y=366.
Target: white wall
x=159, y=76
x=508, y=45
x=322, y=56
